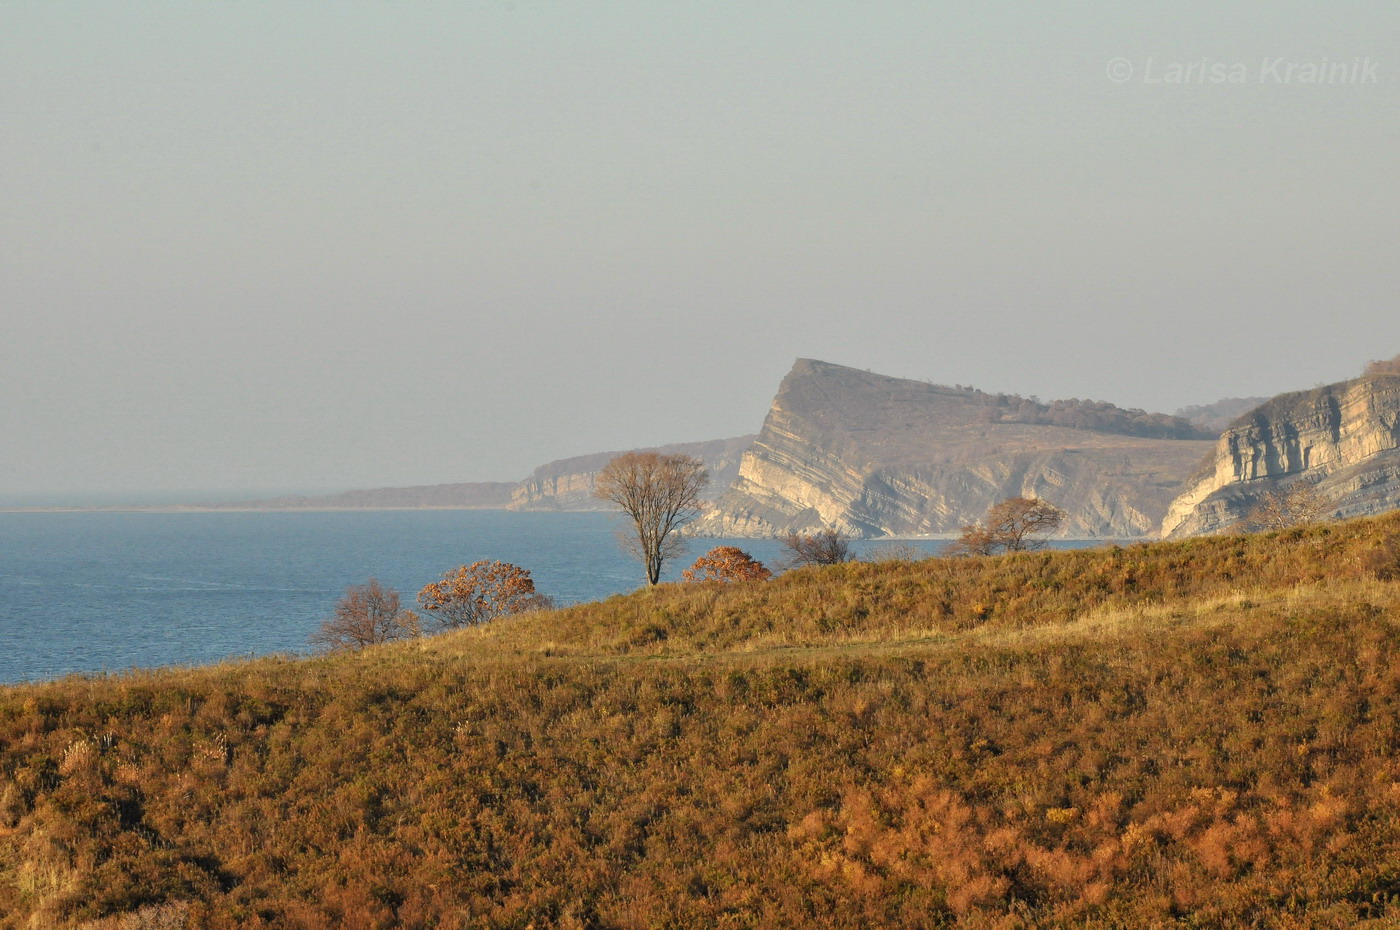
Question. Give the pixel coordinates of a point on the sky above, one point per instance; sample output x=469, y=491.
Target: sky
x=263, y=246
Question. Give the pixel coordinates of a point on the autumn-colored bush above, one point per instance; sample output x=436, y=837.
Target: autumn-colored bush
x=480, y=592
x=1198, y=733
x=726, y=563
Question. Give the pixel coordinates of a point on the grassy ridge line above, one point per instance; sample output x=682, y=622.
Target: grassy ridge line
x=862, y=601
x=1199, y=733
x=1101, y=625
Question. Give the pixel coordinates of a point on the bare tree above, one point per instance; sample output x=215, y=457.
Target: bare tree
x=897, y=551
x=367, y=614
x=1299, y=503
x=659, y=494
x=824, y=547
x=1014, y=525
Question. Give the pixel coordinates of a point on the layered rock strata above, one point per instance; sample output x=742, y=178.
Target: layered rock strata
x=875, y=456
x=1344, y=438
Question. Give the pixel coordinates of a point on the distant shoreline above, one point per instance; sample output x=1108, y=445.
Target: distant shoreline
x=156, y=509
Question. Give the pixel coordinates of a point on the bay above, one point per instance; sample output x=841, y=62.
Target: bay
x=94, y=592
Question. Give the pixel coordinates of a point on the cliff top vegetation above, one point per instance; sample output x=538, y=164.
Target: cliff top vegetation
x=862, y=397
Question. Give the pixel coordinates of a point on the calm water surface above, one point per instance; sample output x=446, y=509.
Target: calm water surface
x=91, y=592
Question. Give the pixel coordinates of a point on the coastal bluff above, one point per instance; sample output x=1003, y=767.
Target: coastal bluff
x=1343, y=437
x=874, y=455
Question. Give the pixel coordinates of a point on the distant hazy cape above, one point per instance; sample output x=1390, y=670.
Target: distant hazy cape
x=565, y=484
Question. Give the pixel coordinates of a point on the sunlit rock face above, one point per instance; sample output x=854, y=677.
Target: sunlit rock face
x=1345, y=438
x=874, y=455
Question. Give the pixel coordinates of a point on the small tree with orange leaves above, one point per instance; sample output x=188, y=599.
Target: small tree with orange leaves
x=726, y=563
x=476, y=593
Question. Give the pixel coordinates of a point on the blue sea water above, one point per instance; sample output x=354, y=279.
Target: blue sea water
x=93, y=592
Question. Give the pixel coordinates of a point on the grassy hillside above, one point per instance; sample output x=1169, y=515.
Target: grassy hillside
x=1200, y=733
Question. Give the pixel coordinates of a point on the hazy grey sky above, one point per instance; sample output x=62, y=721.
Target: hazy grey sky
x=287, y=245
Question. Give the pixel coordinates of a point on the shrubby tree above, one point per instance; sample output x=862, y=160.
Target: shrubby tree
x=366, y=615
x=1014, y=525
x=726, y=563
x=477, y=593
x=1298, y=504
x=658, y=494
x=824, y=547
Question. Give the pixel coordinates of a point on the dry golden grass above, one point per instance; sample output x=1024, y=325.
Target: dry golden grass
x=1200, y=734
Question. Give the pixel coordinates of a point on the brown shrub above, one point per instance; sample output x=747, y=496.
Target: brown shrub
x=727, y=564
x=1383, y=560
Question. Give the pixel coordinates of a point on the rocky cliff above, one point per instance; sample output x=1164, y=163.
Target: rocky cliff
x=567, y=484
x=874, y=455
x=1345, y=438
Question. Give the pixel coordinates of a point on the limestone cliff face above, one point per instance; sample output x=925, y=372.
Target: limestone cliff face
x=1343, y=437
x=873, y=455
x=567, y=484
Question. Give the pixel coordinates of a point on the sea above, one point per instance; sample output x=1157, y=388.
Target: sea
x=106, y=592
